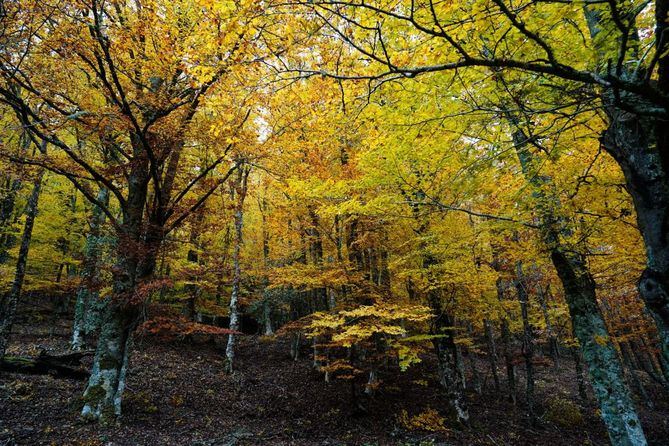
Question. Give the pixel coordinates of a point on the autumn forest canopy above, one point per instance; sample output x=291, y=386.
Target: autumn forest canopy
x=423, y=218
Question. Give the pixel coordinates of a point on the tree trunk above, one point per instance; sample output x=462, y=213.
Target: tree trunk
x=631, y=370
x=59, y=366
x=102, y=397
x=10, y=302
x=528, y=339
x=476, y=377
x=640, y=146
x=240, y=189
x=8, y=204
x=507, y=341
x=89, y=306
x=492, y=353
x=604, y=367
x=626, y=140
x=578, y=367
x=135, y=260
x=447, y=362
x=267, y=315
x=553, y=344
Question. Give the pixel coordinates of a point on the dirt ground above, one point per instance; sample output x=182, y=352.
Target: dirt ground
x=178, y=395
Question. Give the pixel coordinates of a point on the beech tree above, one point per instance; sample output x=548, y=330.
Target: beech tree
x=137, y=124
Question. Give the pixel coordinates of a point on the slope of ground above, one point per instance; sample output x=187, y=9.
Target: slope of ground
x=178, y=395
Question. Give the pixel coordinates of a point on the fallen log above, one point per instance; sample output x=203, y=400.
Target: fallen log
x=58, y=366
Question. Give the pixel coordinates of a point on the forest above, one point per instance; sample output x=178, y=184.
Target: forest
x=334, y=222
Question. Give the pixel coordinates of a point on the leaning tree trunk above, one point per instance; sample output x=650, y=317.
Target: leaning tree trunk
x=8, y=203
x=640, y=146
x=628, y=140
x=88, y=308
x=604, y=367
x=10, y=302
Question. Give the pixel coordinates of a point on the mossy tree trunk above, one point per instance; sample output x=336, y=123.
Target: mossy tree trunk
x=103, y=394
x=88, y=308
x=604, y=366
x=640, y=145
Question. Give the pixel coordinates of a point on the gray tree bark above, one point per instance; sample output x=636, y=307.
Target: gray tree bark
x=89, y=306
x=103, y=394
x=604, y=366
x=240, y=188
x=640, y=146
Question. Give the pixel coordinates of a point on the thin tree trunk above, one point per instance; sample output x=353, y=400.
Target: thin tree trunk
x=528, y=339
x=10, y=302
x=240, y=189
x=193, y=258
x=506, y=339
x=476, y=377
x=492, y=353
x=8, y=204
x=553, y=344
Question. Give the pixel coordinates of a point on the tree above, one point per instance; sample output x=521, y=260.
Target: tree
x=142, y=115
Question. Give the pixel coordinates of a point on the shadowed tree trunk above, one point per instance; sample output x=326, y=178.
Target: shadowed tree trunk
x=10, y=302
x=492, y=353
x=447, y=359
x=528, y=339
x=11, y=187
x=578, y=368
x=640, y=146
x=553, y=344
x=604, y=367
x=193, y=258
x=7, y=204
x=506, y=338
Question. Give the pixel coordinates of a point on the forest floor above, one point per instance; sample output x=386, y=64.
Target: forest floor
x=177, y=394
